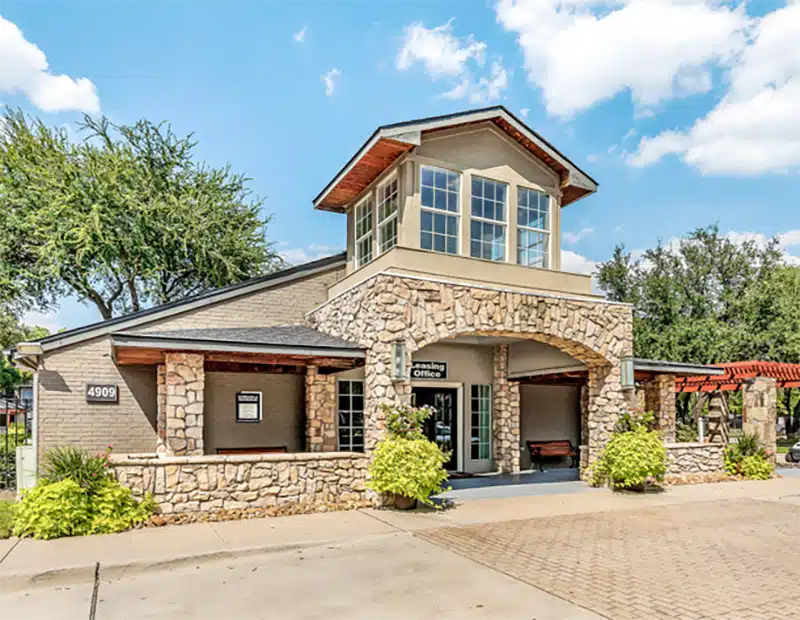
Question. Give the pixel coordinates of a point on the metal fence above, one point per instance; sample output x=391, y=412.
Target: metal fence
x=15, y=430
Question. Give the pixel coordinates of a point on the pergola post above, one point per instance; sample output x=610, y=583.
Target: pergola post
x=185, y=380
x=320, y=411
x=659, y=398
x=759, y=400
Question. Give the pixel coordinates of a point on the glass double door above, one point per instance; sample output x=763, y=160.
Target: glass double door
x=442, y=426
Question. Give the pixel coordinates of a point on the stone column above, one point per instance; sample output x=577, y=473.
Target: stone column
x=606, y=401
x=505, y=414
x=161, y=418
x=759, y=410
x=584, y=447
x=659, y=398
x=185, y=377
x=381, y=389
x=320, y=411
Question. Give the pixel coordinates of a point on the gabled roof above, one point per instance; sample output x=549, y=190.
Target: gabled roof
x=201, y=300
x=389, y=142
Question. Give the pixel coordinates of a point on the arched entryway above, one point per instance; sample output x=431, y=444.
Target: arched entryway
x=391, y=315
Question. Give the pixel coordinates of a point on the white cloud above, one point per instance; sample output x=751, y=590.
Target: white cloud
x=592, y=157
x=524, y=112
x=580, y=52
x=439, y=50
x=329, y=79
x=445, y=56
x=24, y=69
x=756, y=127
x=298, y=256
x=578, y=236
x=300, y=35
x=485, y=89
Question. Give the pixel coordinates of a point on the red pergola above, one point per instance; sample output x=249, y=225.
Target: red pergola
x=737, y=373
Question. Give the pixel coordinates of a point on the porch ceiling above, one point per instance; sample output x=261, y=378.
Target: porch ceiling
x=280, y=349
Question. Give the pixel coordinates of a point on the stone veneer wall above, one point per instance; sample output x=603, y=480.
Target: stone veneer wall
x=759, y=410
x=185, y=378
x=659, y=397
x=505, y=418
x=184, y=484
x=161, y=416
x=694, y=458
x=320, y=411
x=388, y=308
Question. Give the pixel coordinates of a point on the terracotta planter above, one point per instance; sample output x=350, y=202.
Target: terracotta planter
x=401, y=502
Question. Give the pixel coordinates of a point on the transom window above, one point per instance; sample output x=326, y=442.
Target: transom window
x=481, y=421
x=388, y=199
x=351, y=416
x=533, y=228
x=487, y=227
x=439, y=209
x=364, y=232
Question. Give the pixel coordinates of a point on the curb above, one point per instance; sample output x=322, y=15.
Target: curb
x=84, y=573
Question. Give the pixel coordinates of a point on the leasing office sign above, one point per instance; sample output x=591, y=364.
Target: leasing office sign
x=428, y=370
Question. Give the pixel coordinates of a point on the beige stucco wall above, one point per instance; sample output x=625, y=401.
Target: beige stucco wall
x=548, y=412
x=283, y=411
x=64, y=416
x=526, y=358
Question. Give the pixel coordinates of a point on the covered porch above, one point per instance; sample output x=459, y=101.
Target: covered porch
x=242, y=391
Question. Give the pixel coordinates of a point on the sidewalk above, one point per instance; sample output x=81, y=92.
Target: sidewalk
x=25, y=563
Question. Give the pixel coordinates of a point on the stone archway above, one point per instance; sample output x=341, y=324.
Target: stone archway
x=389, y=308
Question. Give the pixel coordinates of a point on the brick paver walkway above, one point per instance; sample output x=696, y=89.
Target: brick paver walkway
x=731, y=560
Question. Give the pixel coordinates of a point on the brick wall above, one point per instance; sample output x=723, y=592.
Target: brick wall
x=66, y=418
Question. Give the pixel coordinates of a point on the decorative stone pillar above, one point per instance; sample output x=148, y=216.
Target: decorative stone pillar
x=320, y=411
x=185, y=377
x=606, y=401
x=161, y=417
x=381, y=389
x=759, y=409
x=505, y=423
x=659, y=398
x=584, y=447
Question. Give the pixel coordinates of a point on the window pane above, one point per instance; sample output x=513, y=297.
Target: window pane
x=439, y=225
x=427, y=176
x=439, y=179
x=477, y=187
x=438, y=243
x=426, y=241
x=427, y=197
x=451, y=245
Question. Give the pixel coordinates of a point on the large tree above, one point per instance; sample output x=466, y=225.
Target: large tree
x=123, y=217
x=705, y=299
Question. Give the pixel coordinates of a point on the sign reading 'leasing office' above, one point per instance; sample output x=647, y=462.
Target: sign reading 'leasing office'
x=429, y=370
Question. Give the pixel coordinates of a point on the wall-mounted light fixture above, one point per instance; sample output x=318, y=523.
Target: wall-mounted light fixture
x=626, y=368
x=399, y=367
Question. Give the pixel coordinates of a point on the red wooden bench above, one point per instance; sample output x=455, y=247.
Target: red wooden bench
x=557, y=448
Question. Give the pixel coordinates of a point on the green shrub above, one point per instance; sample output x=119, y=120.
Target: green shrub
x=411, y=468
x=69, y=462
x=631, y=459
x=114, y=508
x=756, y=468
x=405, y=421
x=53, y=510
x=6, y=518
x=748, y=458
x=637, y=418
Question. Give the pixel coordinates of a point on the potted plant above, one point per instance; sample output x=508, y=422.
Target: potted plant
x=406, y=465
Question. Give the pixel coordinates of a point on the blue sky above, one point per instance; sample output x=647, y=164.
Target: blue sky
x=687, y=113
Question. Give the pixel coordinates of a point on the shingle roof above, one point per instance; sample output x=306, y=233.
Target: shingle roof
x=279, y=335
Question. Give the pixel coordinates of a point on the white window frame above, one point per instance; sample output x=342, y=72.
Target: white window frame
x=357, y=217
x=472, y=412
x=503, y=223
x=547, y=232
x=382, y=224
x=350, y=411
x=434, y=211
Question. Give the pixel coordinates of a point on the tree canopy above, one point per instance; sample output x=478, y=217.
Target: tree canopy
x=707, y=299
x=123, y=217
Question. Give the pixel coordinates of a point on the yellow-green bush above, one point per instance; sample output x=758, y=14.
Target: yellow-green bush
x=631, y=459
x=749, y=459
x=53, y=510
x=408, y=467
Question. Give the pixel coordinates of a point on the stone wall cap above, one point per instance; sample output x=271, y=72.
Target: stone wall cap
x=692, y=444
x=120, y=460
